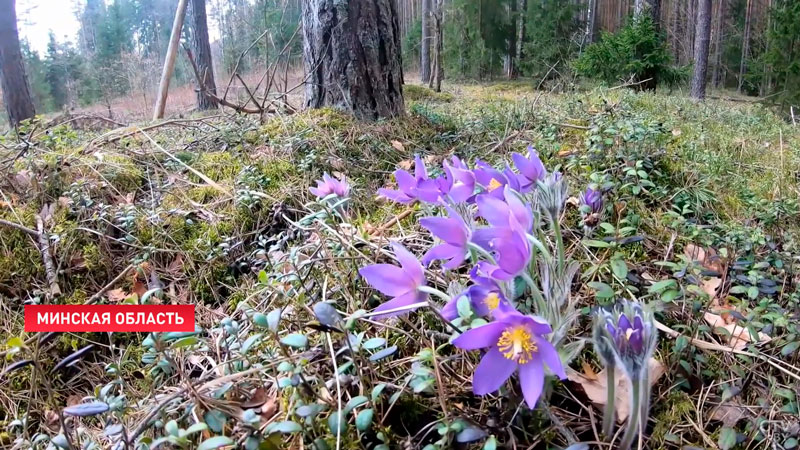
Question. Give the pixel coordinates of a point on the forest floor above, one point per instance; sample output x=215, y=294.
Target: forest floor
x=702, y=224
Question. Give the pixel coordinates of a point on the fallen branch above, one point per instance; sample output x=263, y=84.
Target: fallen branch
x=44, y=248
x=19, y=227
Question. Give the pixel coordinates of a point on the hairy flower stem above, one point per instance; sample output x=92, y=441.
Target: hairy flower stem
x=434, y=291
x=608, y=412
x=633, y=420
x=559, y=245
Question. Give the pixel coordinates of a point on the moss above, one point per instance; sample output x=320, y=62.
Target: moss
x=219, y=166
x=122, y=172
x=673, y=410
x=419, y=93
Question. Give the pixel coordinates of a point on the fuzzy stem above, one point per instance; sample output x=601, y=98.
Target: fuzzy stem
x=608, y=413
x=633, y=419
x=559, y=244
x=434, y=291
x=645, y=397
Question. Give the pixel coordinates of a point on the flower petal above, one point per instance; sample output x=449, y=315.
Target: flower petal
x=410, y=264
x=549, y=355
x=481, y=337
x=405, y=181
x=531, y=380
x=398, y=302
x=493, y=370
x=447, y=229
x=396, y=196
x=390, y=280
x=442, y=251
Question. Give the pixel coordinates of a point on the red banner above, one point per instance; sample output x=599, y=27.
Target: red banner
x=88, y=318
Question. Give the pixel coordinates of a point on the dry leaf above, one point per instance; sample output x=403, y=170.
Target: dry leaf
x=406, y=164
x=710, y=287
x=739, y=336
x=258, y=398
x=116, y=295
x=176, y=266
x=573, y=201
x=399, y=146
x=676, y=132
x=730, y=413
x=708, y=257
x=597, y=389
x=588, y=371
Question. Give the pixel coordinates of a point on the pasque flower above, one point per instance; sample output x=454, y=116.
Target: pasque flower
x=498, y=211
x=629, y=334
x=402, y=283
x=413, y=187
x=455, y=236
x=329, y=185
x=485, y=297
x=592, y=200
x=514, y=342
x=510, y=248
x=458, y=181
x=491, y=179
x=531, y=169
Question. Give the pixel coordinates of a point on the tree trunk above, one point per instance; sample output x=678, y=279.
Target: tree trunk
x=523, y=17
x=425, y=43
x=638, y=8
x=701, y=44
x=717, y=38
x=654, y=9
x=202, y=50
x=169, y=61
x=16, y=94
x=351, y=53
x=437, y=70
x=745, y=45
x=591, y=15
x=511, y=68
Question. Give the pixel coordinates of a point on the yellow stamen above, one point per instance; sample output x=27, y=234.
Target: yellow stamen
x=628, y=333
x=494, y=184
x=517, y=343
x=492, y=301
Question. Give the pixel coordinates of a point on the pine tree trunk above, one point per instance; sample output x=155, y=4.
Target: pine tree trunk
x=745, y=45
x=16, y=94
x=511, y=69
x=425, y=43
x=718, y=38
x=202, y=50
x=169, y=61
x=591, y=15
x=654, y=9
x=437, y=70
x=351, y=53
x=701, y=44
x=523, y=17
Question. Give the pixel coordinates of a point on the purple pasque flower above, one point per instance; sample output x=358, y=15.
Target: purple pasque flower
x=491, y=179
x=510, y=248
x=514, y=342
x=593, y=200
x=402, y=283
x=454, y=233
x=413, y=187
x=497, y=211
x=626, y=336
x=459, y=182
x=329, y=185
x=531, y=169
x=485, y=297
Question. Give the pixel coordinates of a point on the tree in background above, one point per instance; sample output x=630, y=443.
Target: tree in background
x=16, y=94
x=701, y=44
x=425, y=42
x=351, y=52
x=202, y=56
x=548, y=46
x=437, y=66
x=783, y=55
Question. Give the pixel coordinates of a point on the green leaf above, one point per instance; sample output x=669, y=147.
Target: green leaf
x=670, y=295
x=790, y=348
x=597, y=244
x=364, y=419
x=662, y=285
x=790, y=443
x=619, y=268
x=374, y=343
x=727, y=438
x=354, y=403
x=195, y=428
x=215, y=442
x=296, y=340
x=260, y=320
x=286, y=426
x=215, y=419
x=490, y=444
x=335, y=423
x=602, y=290
x=752, y=292
x=263, y=278
x=188, y=341
x=377, y=390
x=171, y=428
x=274, y=319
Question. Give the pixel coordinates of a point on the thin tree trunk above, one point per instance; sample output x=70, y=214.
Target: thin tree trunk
x=437, y=71
x=202, y=50
x=591, y=14
x=745, y=45
x=766, y=79
x=511, y=69
x=169, y=61
x=523, y=15
x=717, y=37
x=703, y=35
x=351, y=53
x=425, y=43
x=16, y=94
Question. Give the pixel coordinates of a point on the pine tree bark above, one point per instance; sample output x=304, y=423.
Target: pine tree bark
x=591, y=15
x=701, y=44
x=523, y=17
x=425, y=43
x=202, y=53
x=351, y=53
x=169, y=60
x=511, y=68
x=745, y=45
x=717, y=38
x=16, y=93
x=437, y=70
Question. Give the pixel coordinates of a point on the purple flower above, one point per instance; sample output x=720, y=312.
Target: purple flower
x=459, y=182
x=498, y=211
x=329, y=185
x=455, y=234
x=490, y=178
x=531, y=169
x=411, y=188
x=402, y=282
x=593, y=200
x=510, y=247
x=514, y=342
x=484, y=296
x=626, y=336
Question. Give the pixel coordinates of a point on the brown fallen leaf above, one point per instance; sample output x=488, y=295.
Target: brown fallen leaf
x=730, y=413
x=116, y=295
x=676, y=132
x=708, y=257
x=258, y=398
x=398, y=146
x=710, y=287
x=176, y=266
x=406, y=164
x=588, y=371
x=738, y=336
x=597, y=390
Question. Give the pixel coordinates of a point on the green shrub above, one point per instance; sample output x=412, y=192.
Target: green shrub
x=637, y=51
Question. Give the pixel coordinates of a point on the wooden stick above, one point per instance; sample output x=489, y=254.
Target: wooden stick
x=169, y=61
x=19, y=227
x=44, y=248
